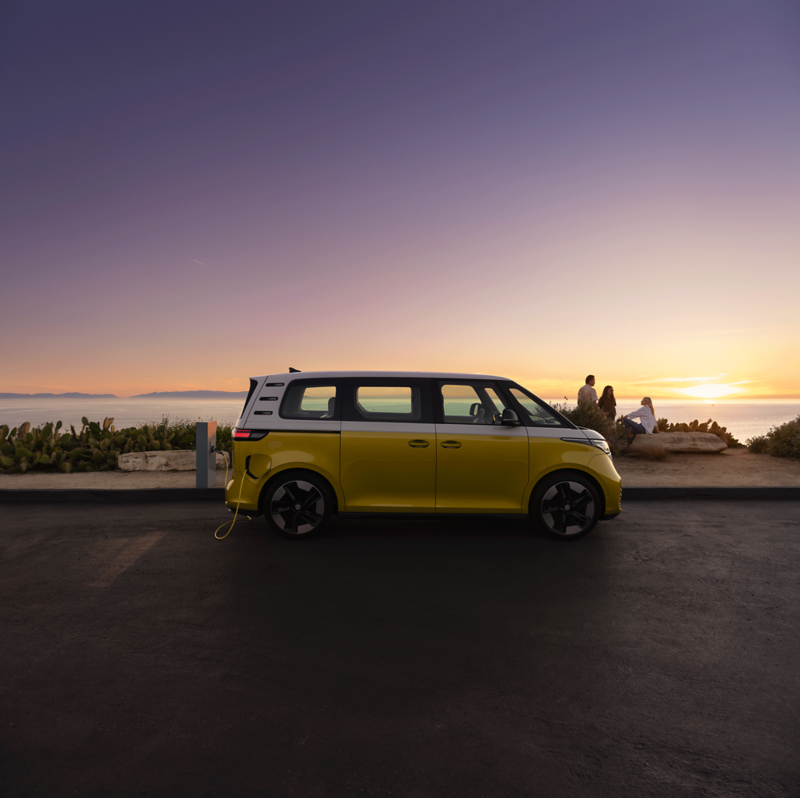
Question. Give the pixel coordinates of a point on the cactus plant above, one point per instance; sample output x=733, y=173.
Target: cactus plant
x=697, y=426
x=93, y=447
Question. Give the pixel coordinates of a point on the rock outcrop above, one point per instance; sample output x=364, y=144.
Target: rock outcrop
x=170, y=460
x=693, y=442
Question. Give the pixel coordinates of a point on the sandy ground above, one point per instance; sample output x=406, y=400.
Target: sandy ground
x=731, y=468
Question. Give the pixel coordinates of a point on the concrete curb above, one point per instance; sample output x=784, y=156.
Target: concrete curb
x=725, y=494
x=100, y=495
x=148, y=495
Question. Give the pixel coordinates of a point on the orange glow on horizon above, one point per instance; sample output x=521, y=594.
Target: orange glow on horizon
x=711, y=391
x=550, y=387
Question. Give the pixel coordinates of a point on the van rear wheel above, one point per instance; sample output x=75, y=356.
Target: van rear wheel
x=566, y=506
x=298, y=506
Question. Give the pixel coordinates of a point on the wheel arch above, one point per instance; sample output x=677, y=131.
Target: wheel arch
x=565, y=472
x=295, y=470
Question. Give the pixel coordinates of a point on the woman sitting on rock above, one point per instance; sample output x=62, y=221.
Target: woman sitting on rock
x=648, y=425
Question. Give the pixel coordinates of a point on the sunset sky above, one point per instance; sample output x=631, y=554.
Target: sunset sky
x=194, y=193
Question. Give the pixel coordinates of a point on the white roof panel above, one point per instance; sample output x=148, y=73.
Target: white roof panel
x=314, y=375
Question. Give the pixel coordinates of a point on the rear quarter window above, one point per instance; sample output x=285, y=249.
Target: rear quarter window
x=309, y=402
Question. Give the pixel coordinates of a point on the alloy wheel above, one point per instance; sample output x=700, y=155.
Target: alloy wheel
x=297, y=507
x=568, y=508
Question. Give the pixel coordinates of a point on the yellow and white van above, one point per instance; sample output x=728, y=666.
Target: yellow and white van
x=310, y=445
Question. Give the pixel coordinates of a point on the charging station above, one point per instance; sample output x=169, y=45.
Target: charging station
x=206, y=453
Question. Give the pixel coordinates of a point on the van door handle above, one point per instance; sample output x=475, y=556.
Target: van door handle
x=451, y=445
x=418, y=444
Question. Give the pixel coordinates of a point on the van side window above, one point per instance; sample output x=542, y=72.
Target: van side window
x=309, y=402
x=395, y=403
x=474, y=403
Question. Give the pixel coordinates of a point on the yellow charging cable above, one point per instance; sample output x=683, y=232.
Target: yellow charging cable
x=238, y=501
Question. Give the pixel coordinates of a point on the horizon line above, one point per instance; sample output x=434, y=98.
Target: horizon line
x=7, y=395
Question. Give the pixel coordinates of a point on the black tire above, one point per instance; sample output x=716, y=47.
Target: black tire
x=566, y=506
x=298, y=505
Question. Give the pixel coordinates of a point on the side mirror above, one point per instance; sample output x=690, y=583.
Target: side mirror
x=509, y=417
x=474, y=409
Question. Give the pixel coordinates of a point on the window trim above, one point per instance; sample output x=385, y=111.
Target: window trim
x=439, y=403
x=351, y=413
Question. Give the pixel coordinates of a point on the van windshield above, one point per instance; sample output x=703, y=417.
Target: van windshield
x=538, y=412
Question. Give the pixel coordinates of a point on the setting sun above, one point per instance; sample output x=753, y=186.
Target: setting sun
x=710, y=391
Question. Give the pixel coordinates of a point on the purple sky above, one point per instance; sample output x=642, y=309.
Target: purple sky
x=193, y=193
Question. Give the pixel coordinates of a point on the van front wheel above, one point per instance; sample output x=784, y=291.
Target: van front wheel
x=565, y=507
x=298, y=506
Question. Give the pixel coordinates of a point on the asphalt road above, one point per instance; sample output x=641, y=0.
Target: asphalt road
x=657, y=657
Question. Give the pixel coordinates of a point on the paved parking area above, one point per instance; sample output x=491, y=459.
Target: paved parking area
x=657, y=657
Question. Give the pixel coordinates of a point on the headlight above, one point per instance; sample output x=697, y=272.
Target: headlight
x=599, y=443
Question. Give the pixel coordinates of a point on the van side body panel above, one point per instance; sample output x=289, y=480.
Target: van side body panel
x=388, y=467
x=480, y=469
x=256, y=462
x=549, y=454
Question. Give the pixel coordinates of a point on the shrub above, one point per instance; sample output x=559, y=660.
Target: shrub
x=96, y=446
x=592, y=417
x=758, y=445
x=186, y=426
x=782, y=441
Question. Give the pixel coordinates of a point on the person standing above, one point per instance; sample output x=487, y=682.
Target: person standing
x=587, y=394
x=607, y=403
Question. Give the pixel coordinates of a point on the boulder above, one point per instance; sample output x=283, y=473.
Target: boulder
x=169, y=460
x=693, y=442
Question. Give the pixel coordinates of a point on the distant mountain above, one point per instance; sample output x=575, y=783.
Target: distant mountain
x=72, y=395
x=191, y=395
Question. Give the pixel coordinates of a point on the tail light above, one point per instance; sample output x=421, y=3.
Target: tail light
x=249, y=434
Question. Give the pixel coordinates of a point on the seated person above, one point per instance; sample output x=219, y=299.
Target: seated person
x=648, y=425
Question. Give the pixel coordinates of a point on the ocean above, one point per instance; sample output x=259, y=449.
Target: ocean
x=743, y=419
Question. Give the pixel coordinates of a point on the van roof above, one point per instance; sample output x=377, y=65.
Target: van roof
x=370, y=374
